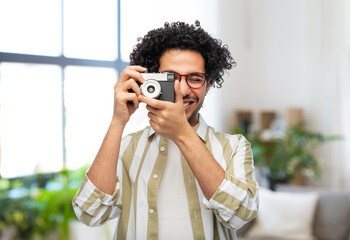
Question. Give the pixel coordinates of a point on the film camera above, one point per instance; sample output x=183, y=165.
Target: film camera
x=159, y=86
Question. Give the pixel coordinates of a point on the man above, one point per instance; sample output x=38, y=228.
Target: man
x=177, y=178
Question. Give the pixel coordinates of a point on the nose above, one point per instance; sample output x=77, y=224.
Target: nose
x=185, y=89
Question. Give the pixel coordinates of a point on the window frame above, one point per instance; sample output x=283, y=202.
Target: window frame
x=62, y=61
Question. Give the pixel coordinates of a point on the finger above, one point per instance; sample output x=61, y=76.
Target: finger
x=127, y=74
x=157, y=104
x=135, y=102
x=152, y=109
x=127, y=97
x=132, y=72
x=131, y=99
x=151, y=116
x=153, y=125
x=178, y=93
x=136, y=68
x=132, y=85
x=128, y=86
x=152, y=120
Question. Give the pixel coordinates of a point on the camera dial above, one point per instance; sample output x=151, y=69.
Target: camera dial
x=151, y=88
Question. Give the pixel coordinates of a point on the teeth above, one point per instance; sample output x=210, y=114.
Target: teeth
x=186, y=104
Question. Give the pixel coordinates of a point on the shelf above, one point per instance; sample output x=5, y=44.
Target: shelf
x=249, y=121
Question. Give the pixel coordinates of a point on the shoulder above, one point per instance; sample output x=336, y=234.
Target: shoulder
x=232, y=139
x=228, y=146
x=220, y=139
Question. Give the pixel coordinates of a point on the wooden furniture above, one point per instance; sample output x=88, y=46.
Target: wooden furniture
x=258, y=120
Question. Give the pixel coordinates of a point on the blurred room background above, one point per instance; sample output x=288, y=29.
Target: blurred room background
x=59, y=61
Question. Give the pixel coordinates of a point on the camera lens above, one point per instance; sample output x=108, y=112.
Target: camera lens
x=151, y=89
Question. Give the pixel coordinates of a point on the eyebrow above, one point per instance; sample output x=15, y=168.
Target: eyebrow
x=172, y=71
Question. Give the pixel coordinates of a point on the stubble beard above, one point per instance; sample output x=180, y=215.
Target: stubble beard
x=192, y=119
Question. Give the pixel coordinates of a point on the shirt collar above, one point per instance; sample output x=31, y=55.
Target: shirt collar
x=201, y=129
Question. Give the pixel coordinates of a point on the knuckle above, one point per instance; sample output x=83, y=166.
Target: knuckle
x=165, y=115
x=123, y=75
x=156, y=104
x=126, y=72
x=161, y=121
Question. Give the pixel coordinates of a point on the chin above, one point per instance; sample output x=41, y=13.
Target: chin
x=193, y=119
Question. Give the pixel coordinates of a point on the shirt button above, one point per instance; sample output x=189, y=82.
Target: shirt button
x=162, y=149
x=195, y=213
x=189, y=179
x=151, y=211
x=155, y=176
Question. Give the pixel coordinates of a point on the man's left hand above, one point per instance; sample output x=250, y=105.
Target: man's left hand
x=168, y=119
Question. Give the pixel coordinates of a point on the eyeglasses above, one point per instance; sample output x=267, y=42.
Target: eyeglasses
x=194, y=80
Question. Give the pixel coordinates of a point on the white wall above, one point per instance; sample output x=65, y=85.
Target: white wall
x=290, y=53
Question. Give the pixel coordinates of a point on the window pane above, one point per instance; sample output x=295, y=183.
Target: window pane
x=30, y=119
x=89, y=94
x=137, y=21
x=31, y=27
x=90, y=29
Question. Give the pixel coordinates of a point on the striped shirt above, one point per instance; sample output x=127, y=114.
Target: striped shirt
x=142, y=156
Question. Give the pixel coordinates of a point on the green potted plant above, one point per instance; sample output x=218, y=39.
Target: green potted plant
x=35, y=212
x=287, y=158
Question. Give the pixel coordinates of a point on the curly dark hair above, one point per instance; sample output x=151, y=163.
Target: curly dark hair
x=182, y=36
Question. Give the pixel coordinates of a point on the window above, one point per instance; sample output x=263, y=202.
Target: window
x=59, y=61
x=88, y=97
x=93, y=34
x=31, y=27
x=31, y=118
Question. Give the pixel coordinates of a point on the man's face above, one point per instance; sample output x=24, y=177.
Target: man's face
x=185, y=62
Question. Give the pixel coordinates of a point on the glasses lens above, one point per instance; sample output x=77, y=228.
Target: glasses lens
x=195, y=80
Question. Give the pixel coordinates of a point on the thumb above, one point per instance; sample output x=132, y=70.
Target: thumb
x=178, y=93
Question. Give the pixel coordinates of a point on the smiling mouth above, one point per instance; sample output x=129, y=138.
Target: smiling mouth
x=187, y=105
x=189, y=102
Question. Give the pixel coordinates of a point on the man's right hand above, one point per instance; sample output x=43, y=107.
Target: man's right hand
x=126, y=102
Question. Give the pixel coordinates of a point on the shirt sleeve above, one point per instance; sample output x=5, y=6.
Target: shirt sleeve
x=94, y=207
x=236, y=200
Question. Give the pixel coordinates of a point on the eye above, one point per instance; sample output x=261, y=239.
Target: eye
x=196, y=77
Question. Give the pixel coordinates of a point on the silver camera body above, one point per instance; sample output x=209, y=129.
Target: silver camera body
x=159, y=86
